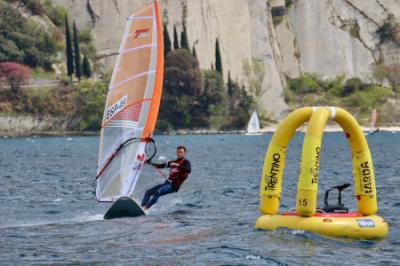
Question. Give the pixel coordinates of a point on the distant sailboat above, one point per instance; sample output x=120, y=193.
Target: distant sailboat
x=374, y=116
x=253, y=128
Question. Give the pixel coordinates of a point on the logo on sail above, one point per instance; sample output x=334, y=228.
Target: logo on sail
x=116, y=107
x=142, y=33
x=141, y=157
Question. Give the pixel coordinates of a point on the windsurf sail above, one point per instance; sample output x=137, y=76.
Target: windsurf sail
x=374, y=117
x=132, y=105
x=254, y=124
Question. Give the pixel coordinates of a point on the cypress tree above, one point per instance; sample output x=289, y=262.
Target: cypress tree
x=218, y=59
x=176, y=40
x=194, y=53
x=86, y=69
x=184, y=39
x=68, y=50
x=78, y=65
x=167, y=40
x=230, y=85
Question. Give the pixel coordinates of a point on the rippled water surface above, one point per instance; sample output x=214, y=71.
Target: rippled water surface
x=49, y=213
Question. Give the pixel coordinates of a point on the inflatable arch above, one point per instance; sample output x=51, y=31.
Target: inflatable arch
x=307, y=186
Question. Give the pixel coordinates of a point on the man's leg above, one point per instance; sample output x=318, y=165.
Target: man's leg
x=149, y=193
x=163, y=190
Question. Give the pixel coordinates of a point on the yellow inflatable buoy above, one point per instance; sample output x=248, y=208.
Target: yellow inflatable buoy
x=338, y=222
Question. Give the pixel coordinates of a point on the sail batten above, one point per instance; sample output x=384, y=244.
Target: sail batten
x=141, y=18
x=138, y=48
x=132, y=104
x=132, y=78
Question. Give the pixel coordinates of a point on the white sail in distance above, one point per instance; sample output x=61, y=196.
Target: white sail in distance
x=373, y=119
x=253, y=126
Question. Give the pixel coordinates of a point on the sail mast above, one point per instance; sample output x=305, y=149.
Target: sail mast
x=155, y=103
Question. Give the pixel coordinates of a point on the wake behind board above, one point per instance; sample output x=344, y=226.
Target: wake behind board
x=124, y=207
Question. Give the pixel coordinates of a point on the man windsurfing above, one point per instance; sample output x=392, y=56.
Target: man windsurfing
x=179, y=172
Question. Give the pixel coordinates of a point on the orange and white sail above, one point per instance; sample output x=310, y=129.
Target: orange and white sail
x=132, y=104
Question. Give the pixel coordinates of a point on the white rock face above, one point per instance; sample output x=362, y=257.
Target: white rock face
x=211, y=19
x=15, y=125
x=265, y=49
x=242, y=29
x=325, y=48
x=338, y=37
x=324, y=37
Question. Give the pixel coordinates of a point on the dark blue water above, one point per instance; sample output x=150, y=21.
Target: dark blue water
x=48, y=211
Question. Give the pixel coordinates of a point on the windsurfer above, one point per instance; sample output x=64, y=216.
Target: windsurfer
x=179, y=171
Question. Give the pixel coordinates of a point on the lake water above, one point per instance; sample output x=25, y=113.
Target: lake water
x=49, y=213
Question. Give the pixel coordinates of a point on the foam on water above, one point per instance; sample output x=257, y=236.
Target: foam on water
x=74, y=220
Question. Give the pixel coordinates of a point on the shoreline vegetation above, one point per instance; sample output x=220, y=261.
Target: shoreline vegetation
x=182, y=132
x=192, y=97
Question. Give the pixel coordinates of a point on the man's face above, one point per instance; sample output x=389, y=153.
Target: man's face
x=180, y=153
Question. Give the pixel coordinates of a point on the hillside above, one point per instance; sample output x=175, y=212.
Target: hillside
x=261, y=43
x=74, y=95
x=272, y=56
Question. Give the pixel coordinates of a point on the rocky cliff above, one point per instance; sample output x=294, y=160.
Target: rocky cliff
x=325, y=37
x=28, y=124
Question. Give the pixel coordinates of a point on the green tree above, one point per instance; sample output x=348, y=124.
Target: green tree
x=176, y=39
x=22, y=39
x=214, y=100
x=194, y=99
x=246, y=104
x=68, y=50
x=56, y=14
x=78, y=64
x=218, y=59
x=167, y=40
x=90, y=98
x=86, y=69
x=9, y=51
x=184, y=39
x=230, y=85
x=87, y=46
x=240, y=105
x=46, y=43
x=304, y=84
x=182, y=86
